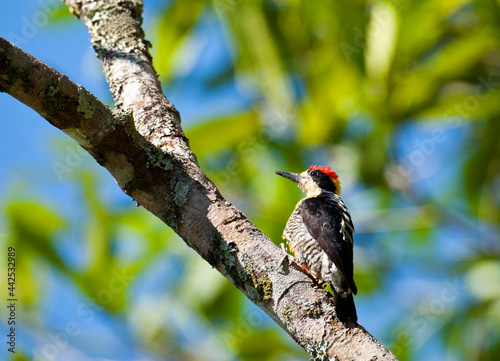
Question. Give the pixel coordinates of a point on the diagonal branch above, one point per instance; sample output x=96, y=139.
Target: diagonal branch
x=142, y=145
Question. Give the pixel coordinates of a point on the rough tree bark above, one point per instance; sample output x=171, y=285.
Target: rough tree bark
x=142, y=145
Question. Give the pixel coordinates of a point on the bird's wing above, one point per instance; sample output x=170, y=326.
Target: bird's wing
x=329, y=223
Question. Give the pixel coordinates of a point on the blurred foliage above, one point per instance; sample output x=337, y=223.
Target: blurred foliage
x=336, y=83
x=379, y=90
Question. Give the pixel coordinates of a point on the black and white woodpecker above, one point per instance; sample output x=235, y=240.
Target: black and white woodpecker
x=320, y=235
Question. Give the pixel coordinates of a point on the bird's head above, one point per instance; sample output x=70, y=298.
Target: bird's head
x=315, y=180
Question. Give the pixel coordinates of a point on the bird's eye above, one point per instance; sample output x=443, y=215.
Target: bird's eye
x=314, y=173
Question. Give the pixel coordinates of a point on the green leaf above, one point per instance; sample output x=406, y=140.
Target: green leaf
x=34, y=227
x=227, y=132
x=253, y=343
x=173, y=29
x=61, y=14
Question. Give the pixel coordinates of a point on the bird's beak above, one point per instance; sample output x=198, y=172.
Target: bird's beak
x=292, y=176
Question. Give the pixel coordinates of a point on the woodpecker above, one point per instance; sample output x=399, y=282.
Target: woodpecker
x=320, y=235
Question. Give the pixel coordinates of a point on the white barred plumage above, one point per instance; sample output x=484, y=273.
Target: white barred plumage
x=320, y=232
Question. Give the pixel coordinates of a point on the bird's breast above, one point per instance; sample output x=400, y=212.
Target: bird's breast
x=304, y=247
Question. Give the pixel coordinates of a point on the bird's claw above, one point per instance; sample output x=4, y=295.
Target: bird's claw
x=286, y=257
x=318, y=282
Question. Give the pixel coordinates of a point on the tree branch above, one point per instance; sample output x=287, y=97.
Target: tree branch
x=142, y=145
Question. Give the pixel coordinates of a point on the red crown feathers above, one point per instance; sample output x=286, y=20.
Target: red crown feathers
x=326, y=170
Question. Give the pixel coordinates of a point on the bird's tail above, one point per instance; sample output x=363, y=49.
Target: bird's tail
x=344, y=306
